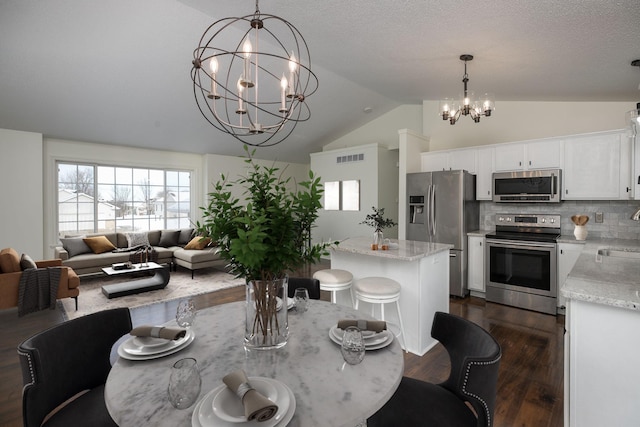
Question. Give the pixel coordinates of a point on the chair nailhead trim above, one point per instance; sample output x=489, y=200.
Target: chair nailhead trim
x=466, y=378
x=31, y=370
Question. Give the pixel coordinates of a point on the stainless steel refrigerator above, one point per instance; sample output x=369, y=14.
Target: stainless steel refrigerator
x=442, y=208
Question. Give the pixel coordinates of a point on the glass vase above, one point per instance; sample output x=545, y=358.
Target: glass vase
x=267, y=322
x=377, y=240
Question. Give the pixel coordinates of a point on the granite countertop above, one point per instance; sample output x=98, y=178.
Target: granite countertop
x=479, y=233
x=405, y=250
x=608, y=280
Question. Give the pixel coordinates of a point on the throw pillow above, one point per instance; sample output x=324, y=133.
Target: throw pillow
x=169, y=238
x=198, y=243
x=186, y=234
x=99, y=244
x=27, y=262
x=75, y=246
x=9, y=261
x=137, y=239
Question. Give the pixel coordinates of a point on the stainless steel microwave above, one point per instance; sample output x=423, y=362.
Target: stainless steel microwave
x=527, y=186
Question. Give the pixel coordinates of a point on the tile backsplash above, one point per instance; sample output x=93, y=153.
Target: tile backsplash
x=617, y=222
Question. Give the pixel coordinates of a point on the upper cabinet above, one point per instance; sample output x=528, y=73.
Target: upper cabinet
x=463, y=159
x=528, y=155
x=597, y=167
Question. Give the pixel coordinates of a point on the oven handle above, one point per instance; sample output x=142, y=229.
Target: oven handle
x=519, y=243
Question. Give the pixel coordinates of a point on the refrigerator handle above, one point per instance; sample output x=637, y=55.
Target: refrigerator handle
x=433, y=210
x=428, y=211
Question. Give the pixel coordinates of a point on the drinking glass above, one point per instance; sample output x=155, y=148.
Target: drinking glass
x=186, y=313
x=353, y=345
x=301, y=298
x=184, y=383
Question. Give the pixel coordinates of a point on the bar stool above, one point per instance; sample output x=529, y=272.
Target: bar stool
x=334, y=280
x=379, y=290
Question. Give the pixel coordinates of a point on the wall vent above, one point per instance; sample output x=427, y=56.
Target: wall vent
x=350, y=158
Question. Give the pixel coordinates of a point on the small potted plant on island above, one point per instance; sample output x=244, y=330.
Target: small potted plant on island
x=378, y=222
x=264, y=237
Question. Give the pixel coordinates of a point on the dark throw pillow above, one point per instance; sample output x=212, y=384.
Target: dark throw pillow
x=75, y=246
x=27, y=262
x=169, y=238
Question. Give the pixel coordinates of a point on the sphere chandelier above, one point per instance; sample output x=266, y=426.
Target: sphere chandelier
x=255, y=88
x=452, y=110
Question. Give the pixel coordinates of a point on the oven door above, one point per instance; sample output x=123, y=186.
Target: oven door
x=523, y=266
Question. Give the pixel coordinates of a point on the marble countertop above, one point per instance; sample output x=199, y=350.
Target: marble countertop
x=405, y=250
x=605, y=280
x=327, y=392
x=479, y=233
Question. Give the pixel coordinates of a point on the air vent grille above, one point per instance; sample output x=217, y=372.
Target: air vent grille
x=350, y=158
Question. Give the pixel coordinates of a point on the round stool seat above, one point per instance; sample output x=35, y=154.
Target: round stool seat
x=379, y=288
x=334, y=280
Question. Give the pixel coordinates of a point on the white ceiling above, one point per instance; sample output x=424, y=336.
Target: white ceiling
x=117, y=71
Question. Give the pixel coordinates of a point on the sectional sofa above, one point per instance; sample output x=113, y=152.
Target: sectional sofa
x=88, y=254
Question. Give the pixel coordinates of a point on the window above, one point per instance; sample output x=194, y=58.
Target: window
x=98, y=198
x=342, y=195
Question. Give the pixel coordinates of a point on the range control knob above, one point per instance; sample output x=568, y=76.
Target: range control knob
x=544, y=220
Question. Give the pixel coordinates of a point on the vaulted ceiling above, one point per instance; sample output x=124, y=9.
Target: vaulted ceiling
x=117, y=71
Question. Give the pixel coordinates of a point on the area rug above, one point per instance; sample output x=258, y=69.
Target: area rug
x=180, y=285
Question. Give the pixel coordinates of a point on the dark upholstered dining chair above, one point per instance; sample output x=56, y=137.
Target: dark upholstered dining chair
x=66, y=360
x=312, y=285
x=475, y=358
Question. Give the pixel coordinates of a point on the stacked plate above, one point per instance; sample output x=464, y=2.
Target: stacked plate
x=145, y=348
x=372, y=340
x=222, y=408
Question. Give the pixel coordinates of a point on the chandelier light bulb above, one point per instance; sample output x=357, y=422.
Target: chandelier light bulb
x=284, y=85
x=246, y=52
x=213, y=67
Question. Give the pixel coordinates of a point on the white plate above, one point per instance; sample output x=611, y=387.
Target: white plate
x=387, y=340
x=290, y=303
x=369, y=340
x=150, y=342
x=174, y=348
x=131, y=346
x=228, y=407
x=203, y=415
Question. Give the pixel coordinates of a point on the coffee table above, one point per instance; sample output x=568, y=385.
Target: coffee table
x=159, y=280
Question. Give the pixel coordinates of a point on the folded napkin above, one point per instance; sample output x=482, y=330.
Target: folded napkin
x=363, y=325
x=256, y=406
x=159, y=332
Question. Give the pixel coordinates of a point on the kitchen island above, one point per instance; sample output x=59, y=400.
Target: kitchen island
x=602, y=344
x=421, y=268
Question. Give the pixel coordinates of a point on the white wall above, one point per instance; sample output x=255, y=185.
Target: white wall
x=21, y=192
x=382, y=130
x=519, y=121
x=338, y=225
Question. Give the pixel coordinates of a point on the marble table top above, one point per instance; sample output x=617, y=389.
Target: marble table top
x=327, y=392
x=405, y=250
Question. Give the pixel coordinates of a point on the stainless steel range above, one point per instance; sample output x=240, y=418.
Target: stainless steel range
x=521, y=261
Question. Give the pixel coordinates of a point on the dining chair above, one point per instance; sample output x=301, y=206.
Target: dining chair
x=65, y=367
x=311, y=285
x=475, y=358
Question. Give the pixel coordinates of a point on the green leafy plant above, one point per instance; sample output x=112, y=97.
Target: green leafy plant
x=377, y=220
x=268, y=234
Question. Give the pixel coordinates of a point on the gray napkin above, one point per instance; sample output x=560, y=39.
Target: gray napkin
x=158, y=332
x=363, y=325
x=256, y=406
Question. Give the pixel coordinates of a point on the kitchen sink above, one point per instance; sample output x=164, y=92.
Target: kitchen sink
x=617, y=253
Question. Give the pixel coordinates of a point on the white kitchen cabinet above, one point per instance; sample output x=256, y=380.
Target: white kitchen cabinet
x=475, y=268
x=544, y=154
x=464, y=159
x=435, y=161
x=484, y=173
x=567, y=255
x=595, y=167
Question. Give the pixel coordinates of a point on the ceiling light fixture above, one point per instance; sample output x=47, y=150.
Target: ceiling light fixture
x=451, y=109
x=255, y=88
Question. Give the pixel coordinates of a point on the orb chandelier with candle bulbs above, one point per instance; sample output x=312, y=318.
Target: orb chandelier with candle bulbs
x=452, y=109
x=253, y=87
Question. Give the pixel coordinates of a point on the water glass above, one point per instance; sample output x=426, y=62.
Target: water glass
x=186, y=313
x=353, y=347
x=184, y=383
x=301, y=299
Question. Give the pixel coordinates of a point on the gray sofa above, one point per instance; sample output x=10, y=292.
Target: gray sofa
x=75, y=254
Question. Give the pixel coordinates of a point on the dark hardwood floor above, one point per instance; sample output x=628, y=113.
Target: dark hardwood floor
x=530, y=383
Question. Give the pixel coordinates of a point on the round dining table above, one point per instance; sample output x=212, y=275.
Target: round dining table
x=328, y=392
